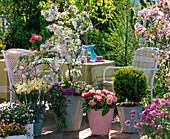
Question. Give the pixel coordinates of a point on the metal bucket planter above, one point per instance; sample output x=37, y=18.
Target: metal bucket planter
x=100, y=125
x=74, y=113
x=38, y=126
x=124, y=115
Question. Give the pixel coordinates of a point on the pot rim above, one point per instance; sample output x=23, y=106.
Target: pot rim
x=141, y=105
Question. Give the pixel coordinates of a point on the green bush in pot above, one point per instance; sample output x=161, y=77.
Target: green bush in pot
x=130, y=83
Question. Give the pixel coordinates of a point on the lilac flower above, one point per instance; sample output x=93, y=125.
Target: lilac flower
x=163, y=102
x=142, y=116
x=140, y=127
x=168, y=103
x=160, y=113
x=159, y=127
x=147, y=118
x=152, y=123
x=157, y=101
x=133, y=112
x=152, y=113
x=147, y=110
x=128, y=123
x=153, y=107
x=135, y=123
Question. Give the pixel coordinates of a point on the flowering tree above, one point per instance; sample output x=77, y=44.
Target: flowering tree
x=156, y=32
x=68, y=28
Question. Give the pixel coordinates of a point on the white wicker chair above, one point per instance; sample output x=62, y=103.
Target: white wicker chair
x=143, y=60
x=11, y=57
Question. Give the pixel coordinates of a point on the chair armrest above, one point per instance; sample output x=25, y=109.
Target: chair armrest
x=112, y=67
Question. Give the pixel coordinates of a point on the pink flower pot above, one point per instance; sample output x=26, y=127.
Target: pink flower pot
x=100, y=125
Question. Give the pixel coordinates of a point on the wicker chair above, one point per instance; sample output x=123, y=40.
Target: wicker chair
x=11, y=57
x=143, y=60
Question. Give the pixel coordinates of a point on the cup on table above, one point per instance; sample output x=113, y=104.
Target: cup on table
x=99, y=57
x=88, y=58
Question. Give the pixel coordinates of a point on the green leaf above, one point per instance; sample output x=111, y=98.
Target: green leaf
x=105, y=111
x=86, y=109
x=142, y=2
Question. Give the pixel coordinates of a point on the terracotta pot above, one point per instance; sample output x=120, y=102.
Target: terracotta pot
x=100, y=125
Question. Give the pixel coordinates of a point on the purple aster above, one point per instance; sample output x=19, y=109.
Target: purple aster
x=152, y=113
x=157, y=101
x=147, y=118
x=152, y=123
x=159, y=127
x=135, y=123
x=153, y=107
x=163, y=102
x=128, y=123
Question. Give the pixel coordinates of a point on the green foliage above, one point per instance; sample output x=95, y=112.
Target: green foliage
x=116, y=41
x=130, y=83
x=25, y=19
x=130, y=103
x=57, y=103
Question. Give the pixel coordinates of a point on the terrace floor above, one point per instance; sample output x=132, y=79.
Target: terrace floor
x=48, y=131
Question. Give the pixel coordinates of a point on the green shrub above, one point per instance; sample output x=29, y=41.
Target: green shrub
x=130, y=83
x=25, y=19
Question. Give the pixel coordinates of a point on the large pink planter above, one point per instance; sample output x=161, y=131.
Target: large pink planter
x=100, y=125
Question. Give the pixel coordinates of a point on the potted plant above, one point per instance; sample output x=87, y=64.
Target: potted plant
x=65, y=101
x=13, y=131
x=130, y=84
x=18, y=113
x=154, y=121
x=99, y=105
x=33, y=93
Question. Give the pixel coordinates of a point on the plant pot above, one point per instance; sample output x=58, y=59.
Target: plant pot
x=124, y=115
x=100, y=125
x=15, y=137
x=38, y=127
x=74, y=113
x=30, y=129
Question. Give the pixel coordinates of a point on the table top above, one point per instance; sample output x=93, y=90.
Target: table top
x=93, y=62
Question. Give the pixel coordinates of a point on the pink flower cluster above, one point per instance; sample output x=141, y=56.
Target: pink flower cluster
x=34, y=38
x=154, y=116
x=159, y=14
x=97, y=96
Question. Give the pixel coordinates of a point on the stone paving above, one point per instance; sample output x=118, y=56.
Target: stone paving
x=48, y=131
